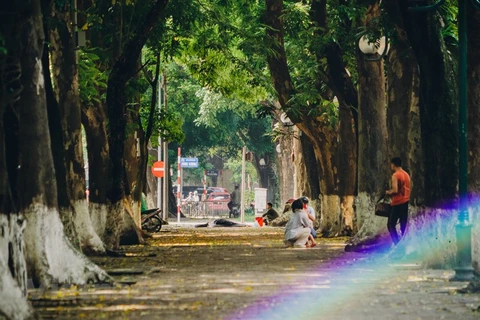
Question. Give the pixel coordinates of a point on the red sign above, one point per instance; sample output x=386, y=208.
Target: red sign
x=158, y=169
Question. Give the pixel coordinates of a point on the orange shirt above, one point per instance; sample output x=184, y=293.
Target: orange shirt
x=403, y=187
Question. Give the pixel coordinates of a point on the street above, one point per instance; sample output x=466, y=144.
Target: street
x=246, y=273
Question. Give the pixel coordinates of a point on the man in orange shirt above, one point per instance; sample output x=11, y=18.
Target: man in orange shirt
x=400, y=193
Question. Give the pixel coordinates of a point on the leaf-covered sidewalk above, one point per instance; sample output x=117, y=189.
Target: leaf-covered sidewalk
x=245, y=273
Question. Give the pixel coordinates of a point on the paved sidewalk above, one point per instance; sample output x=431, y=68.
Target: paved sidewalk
x=245, y=273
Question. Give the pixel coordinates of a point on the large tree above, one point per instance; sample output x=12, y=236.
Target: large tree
x=474, y=122
x=372, y=157
x=64, y=110
x=329, y=126
x=29, y=187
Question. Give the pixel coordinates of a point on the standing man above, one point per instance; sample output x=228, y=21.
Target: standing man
x=235, y=198
x=400, y=192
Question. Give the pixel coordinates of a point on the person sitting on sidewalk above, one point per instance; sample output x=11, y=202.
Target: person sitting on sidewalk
x=270, y=215
x=297, y=232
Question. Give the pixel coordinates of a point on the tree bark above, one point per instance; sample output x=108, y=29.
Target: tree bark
x=473, y=57
x=347, y=168
x=335, y=175
x=319, y=135
x=135, y=167
x=123, y=70
x=403, y=115
x=13, y=269
x=373, y=166
x=285, y=168
x=69, y=166
x=50, y=256
x=438, y=104
x=437, y=101
x=345, y=152
x=308, y=178
x=94, y=121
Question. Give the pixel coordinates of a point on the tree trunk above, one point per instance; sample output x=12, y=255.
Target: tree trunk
x=438, y=105
x=474, y=126
x=322, y=137
x=145, y=175
x=57, y=142
x=373, y=166
x=340, y=84
x=72, y=200
x=94, y=121
x=347, y=168
x=133, y=165
x=285, y=168
x=403, y=117
x=123, y=70
x=311, y=188
x=50, y=256
x=13, y=269
x=324, y=141
x=439, y=136
x=307, y=176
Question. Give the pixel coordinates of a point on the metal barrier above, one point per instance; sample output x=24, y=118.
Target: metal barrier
x=205, y=209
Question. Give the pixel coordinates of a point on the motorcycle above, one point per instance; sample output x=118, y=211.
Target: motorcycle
x=151, y=220
x=234, y=211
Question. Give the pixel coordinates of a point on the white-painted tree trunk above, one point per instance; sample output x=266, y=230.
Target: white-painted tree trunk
x=348, y=214
x=88, y=237
x=13, y=304
x=331, y=215
x=50, y=256
x=475, y=216
x=98, y=217
x=430, y=238
x=115, y=224
x=13, y=291
x=368, y=224
x=137, y=215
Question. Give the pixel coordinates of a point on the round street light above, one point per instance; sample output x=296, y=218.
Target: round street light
x=286, y=120
x=261, y=162
x=371, y=48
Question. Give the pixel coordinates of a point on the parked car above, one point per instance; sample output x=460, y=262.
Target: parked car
x=217, y=202
x=218, y=189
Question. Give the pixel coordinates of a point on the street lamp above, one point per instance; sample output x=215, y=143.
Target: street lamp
x=463, y=268
x=286, y=120
x=262, y=163
x=372, y=48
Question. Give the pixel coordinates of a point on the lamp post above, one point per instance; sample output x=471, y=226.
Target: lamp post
x=242, y=188
x=463, y=268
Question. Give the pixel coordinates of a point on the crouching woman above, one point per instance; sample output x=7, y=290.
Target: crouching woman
x=297, y=231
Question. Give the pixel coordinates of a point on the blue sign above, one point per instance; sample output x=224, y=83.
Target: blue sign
x=212, y=173
x=189, y=162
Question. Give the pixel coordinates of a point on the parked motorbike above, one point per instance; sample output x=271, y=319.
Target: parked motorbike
x=234, y=211
x=151, y=220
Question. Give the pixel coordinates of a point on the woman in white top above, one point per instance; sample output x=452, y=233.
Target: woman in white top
x=297, y=230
